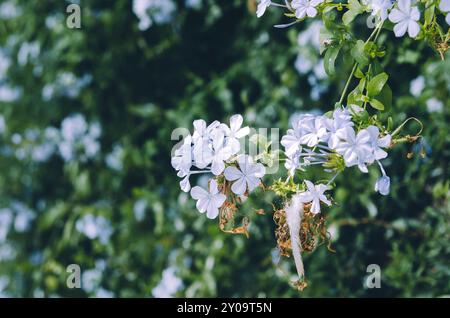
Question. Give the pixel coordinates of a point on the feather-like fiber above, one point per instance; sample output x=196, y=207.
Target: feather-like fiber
x=294, y=214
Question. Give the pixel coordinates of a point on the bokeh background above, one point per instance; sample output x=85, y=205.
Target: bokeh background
x=85, y=177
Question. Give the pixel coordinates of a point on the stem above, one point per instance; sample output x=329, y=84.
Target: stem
x=332, y=179
x=278, y=5
x=348, y=83
x=375, y=33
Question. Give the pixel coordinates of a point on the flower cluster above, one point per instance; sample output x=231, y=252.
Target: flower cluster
x=327, y=140
x=405, y=14
x=215, y=149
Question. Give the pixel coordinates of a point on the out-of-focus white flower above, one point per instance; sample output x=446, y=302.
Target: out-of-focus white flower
x=248, y=175
x=6, y=219
x=355, y=148
x=77, y=137
x=28, y=51
x=314, y=194
x=114, y=160
x=310, y=36
x=149, y=11
x=434, y=105
x=9, y=10
x=417, y=85
x=169, y=284
x=23, y=217
x=405, y=18
x=195, y=4
x=305, y=8
x=262, y=6
x=444, y=6
x=139, y=208
x=73, y=127
x=208, y=201
x=95, y=227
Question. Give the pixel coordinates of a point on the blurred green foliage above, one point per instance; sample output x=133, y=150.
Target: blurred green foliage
x=209, y=60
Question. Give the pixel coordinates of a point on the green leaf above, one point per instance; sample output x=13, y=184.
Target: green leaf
x=376, y=84
x=429, y=14
x=359, y=54
x=330, y=59
x=390, y=123
x=375, y=103
x=359, y=73
x=354, y=9
x=354, y=98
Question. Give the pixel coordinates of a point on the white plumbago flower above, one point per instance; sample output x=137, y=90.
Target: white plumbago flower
x=406, y=18
x=208, y=202
x=291, y=142
x=314, y=194
x=305, y=8
x=293, y=162
x=380, y=8
x=201, y=132
x=182, y=159
x=444, y=6
x=313, y=131
x=235, y=132
x=248, y=175
x=185, y=185
x=355, y=148
x=221, y=152
x=378, y=143
x=383, y=183
x=341, y=119
x=262, y=6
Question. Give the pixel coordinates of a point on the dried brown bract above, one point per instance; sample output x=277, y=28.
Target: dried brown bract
x=312, y=231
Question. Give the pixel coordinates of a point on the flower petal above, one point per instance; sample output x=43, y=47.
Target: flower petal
x=444, y=6
x=232, y=173
x=217, y=166
x=310, y=185
x=236, y=122
x=185, y=185
x=315, y=206
x=396, y=16
x=198, y=193
x=219, y=199
x=212, y=210
x=202, y=204
x=400, y=28
x=252, y=183
x=239, y=186
x=413, y=29
x=305, y=197
x=242, y=132
x=213, y=187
